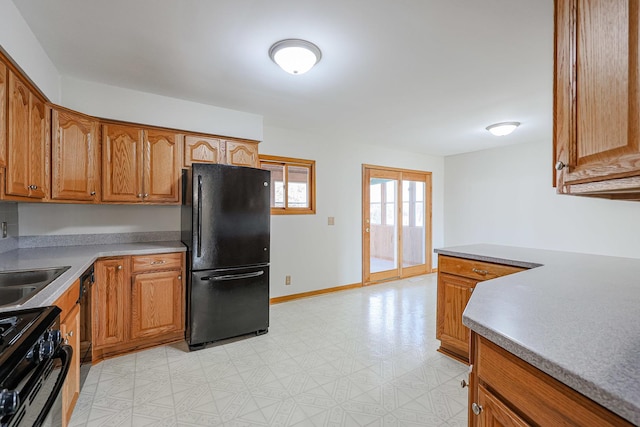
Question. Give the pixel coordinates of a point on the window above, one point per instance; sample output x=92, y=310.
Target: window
x=293, y=185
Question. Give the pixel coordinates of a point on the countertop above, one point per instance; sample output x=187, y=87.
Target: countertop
x=79, y=258
x=574, y=316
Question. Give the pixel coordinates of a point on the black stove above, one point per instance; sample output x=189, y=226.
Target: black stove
x=33, y=365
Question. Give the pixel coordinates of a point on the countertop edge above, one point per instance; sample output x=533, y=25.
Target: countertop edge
x=485, y=258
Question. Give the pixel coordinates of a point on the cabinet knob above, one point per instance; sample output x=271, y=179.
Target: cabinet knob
x=476, y=408
x=560, y=166
x=179, y=277
x=93, y=193
x=70, y=334
x=33, y=187
x=145, y=195
x=366, y=229
x=119, y=267
x=139, y=196
x=464, y=384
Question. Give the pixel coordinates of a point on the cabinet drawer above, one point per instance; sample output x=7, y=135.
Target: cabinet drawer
x=68, y=300
x=477, y=270
x=534, y=395
x=172, y=261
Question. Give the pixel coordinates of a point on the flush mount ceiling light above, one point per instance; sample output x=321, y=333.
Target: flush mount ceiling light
x=295, y=56
x=502, y=129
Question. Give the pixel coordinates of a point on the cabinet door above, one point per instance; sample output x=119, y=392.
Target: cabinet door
x=202, y=150
x=161, y=167
x=596, y=90
x=70, y=329
x=17, y=175
x=157, y=304
x=75, y=157
x=453, y=295
x=122, y=163
x=494, y=413
x=110, y=302
x=242, y=153
x=3, y=114
x=39, y=128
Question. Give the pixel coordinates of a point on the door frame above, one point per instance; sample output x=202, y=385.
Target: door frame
x=403, y=272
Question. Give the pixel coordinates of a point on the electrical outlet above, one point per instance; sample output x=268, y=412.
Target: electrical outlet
x=287, y=280
x=332, y=220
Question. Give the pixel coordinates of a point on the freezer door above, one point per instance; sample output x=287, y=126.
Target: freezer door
x=231, y=216
x=227, y=303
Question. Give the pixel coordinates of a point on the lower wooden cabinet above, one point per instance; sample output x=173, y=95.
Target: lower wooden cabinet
x=507, y=391
x=109, y=302
x=457, y=278
x=154, y=310
x=70, y=328
x=137, y=302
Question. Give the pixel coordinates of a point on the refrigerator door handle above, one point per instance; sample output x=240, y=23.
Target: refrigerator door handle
x=233, y=276
x=199, y=245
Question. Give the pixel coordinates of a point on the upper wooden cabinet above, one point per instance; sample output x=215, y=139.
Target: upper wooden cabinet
x=202, y=150
x=75, y=155
x=597, y=98
x=27, y=144
x=3, y=115
x=139, y=165
x=198, y=149
x=242, y=153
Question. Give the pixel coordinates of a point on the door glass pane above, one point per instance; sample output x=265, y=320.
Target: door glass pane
x=277, y=184
x=298, y=187
x=413, y=232
x=383, y=231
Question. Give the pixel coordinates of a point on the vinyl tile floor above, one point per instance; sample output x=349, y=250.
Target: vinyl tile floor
x=362, y=357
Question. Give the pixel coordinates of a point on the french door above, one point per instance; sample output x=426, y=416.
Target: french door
x=396, y=223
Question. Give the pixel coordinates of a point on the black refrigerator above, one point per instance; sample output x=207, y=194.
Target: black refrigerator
x=225, y=221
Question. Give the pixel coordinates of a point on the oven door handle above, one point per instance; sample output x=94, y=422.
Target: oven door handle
x=65, y=353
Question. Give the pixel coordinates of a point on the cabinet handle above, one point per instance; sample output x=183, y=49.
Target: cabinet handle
x=119, y=267
x=480, y=272
x=560, y=166
x=33, y=187
x=157, y=262
x=476, y=408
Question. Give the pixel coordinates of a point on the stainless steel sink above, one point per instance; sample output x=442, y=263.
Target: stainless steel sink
x=18, y=286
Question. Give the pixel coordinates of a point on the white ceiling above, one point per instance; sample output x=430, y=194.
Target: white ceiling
x=421, y=75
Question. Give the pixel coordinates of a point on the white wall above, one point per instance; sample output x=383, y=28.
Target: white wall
x=505, y=196
x=38, y=219
x=317, y=255
x=17, y=39
x=118, y=103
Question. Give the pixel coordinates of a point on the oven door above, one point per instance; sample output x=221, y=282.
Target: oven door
x=40, y=398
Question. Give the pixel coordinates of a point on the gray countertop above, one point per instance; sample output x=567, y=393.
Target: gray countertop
x=574, y=316
x=79, y=258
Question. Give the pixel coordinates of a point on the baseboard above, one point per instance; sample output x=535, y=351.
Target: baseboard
x=434, y=270
x=286, y=298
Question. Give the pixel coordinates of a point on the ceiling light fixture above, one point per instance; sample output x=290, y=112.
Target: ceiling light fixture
x=504, y=128
x=295, y=56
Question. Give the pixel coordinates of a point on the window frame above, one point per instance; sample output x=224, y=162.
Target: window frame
x=290, y=161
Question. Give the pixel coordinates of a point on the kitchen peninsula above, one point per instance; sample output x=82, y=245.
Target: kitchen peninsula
x=574, y=317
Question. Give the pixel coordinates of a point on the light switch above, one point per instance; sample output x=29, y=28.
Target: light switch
x=332, y=220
